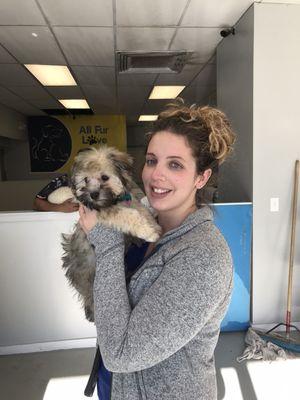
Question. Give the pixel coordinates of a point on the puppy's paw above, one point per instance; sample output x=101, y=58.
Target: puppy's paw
x=150, y=233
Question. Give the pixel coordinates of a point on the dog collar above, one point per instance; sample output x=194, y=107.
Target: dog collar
x=126, y=197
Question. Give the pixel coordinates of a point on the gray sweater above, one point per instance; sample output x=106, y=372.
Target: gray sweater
x=158, y=336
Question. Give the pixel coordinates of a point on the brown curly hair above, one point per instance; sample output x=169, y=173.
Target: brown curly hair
x=207, y=131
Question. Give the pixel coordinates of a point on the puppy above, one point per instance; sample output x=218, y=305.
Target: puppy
x=101, y=180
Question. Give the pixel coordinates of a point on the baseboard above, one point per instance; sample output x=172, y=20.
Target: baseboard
x=48, y=346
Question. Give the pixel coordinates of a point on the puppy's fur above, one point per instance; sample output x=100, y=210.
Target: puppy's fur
x=100, y=179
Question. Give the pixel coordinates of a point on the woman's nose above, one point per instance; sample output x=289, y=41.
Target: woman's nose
x=158, y=173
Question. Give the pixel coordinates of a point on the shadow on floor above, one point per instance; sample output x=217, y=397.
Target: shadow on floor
x=230, y=346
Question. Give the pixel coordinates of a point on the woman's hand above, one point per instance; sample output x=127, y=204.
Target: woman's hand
x=88, y=218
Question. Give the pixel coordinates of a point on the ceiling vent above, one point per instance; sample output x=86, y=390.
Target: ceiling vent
x=157, y=62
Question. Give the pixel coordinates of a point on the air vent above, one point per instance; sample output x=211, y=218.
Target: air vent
x=152, y=62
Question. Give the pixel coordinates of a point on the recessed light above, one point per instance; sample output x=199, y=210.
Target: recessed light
x=52, y=75
x=165, y=92
x=74, y=103
x=147, y=117
x=34, y=34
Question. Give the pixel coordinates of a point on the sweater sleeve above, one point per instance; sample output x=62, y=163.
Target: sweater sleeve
x=170, y=313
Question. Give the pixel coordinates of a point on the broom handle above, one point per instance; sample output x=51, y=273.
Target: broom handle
x=292, y=249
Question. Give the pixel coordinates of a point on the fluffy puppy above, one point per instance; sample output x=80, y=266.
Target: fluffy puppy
x=101, y=180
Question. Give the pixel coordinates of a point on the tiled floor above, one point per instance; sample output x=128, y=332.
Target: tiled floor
x=62, y=375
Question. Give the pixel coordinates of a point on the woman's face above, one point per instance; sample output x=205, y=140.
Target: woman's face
x=169, y=174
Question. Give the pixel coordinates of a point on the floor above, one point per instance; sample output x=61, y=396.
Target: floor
x=62, y=375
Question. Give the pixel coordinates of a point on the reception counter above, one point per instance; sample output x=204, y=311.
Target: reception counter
x=40, y=311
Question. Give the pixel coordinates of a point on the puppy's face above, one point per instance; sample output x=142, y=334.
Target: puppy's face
x=100, y=175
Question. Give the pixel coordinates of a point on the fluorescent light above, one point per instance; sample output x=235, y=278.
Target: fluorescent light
x=147, y=117
x=165, y=92
x=52, y=75
x=76, y=103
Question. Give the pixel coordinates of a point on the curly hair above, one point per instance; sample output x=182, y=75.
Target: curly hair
x=207, y=131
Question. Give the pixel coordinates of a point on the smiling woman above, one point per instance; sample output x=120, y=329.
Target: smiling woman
x=158, y=310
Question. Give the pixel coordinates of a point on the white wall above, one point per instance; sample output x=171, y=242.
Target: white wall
x=268, y=89
x=276, y=142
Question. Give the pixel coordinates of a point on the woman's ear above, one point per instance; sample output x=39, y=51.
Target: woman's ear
x=203, y=179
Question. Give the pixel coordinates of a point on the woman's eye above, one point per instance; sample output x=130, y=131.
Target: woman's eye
x=150, y=161
x=175, y=165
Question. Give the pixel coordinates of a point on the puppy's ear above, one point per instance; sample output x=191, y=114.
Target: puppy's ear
x=122, y=161
x=124, y=165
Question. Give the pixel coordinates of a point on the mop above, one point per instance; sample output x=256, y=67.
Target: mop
x=272, y=345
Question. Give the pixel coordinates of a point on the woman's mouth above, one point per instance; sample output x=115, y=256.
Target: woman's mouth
x=159, y=192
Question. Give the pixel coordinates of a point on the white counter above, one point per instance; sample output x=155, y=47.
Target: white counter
x=38, y=309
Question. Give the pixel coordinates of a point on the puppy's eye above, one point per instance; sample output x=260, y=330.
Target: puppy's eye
x=105, y=178
x=86, y=180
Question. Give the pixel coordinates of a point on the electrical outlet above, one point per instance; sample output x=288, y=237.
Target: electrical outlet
x=274, y=204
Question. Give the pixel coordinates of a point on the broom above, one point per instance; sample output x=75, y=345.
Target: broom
x=288, y=339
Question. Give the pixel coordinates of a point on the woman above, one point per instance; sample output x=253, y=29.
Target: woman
x=157, y=336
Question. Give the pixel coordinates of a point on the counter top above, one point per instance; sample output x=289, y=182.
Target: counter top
x=9, y=216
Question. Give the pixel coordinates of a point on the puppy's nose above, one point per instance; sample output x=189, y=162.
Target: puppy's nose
x=94, y=195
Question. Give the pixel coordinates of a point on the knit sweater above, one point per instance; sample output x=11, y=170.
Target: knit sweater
x=158, y=335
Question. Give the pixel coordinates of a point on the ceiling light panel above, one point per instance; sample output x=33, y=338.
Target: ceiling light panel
x=147, y=118
x=74, y=103
x=52, y=75
x=165, y=92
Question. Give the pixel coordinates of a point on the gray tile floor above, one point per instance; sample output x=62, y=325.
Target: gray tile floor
x=62, y=375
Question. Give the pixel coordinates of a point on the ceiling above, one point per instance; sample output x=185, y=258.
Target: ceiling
x=86, y=35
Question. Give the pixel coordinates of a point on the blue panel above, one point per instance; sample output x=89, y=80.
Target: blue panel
x=235, y=223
